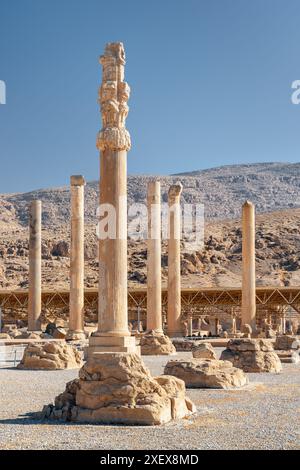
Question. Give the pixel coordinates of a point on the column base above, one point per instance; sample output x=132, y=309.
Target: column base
x=155, y=343
x=112, y=344
x=117, y=388
x=75, y=335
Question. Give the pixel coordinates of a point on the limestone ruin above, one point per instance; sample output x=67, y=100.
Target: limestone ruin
x=207, y=373
x=154, y=341
x=51, y=356
x=77, y=260
x=114, y=386
x=118, y=388
x=174, y=285
x=35, y=287
x=203, y=351
x=252, y=355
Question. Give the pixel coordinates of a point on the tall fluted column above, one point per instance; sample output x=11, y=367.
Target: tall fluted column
x=248, y=257
x=174, y=284
x=77, y=259
x=35, y=279
x=113, y=142
x=154, y=316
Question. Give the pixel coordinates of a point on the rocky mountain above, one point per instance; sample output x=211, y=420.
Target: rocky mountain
x=273, y=187
x=222, y=190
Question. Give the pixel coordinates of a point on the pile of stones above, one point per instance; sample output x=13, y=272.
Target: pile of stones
x=287, y=348
x=118, y=388
x=207, y=373
x=203, y=351
x=51, y=356
x=156, y=343
x=252, y=355
x=182, y=344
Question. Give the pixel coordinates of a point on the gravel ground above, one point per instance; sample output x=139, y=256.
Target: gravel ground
x=264, y=415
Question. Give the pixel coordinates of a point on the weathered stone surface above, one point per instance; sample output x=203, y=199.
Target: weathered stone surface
x=51, y=356
x=207, y=373
x=174, y=275
x=23, y=333
x=288, y=357
x=76, y=337
x=156, y=343
x=270, y=333
x=252, y=355
x=204, y=351
x=247, y=330
x=118, y=388
x=286, y=342
x=184, y=344
x=4, y=336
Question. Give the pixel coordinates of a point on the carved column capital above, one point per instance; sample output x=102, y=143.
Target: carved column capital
x=113, y=96
x=174, y=192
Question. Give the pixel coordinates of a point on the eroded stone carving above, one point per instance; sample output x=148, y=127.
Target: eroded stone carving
x=113, y=96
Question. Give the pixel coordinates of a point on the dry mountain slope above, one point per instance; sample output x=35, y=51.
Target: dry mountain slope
x=271, y=186
x=222, y=190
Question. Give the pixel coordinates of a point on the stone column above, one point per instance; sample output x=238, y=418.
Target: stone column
x=154, y=316
x=248, y=266
x=284, y=324
x=76, y=331
x=35, y=278
x=117, y=372
x=113, y=142
x=213, y=326
x=174, y=284
x=154, y=342
x=190, y=326
x=233, y=325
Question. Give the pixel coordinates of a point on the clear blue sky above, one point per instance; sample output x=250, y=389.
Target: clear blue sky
x=210, y=79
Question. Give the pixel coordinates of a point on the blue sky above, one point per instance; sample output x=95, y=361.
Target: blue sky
x=210, y=79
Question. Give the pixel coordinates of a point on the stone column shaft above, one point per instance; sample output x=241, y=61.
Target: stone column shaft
x=248, y=266
x=77, y=259
x=154, y=310
x=233, y=327
x=190, y=326
x=213, y=326
x=113, y=316
x=35, y=277
x=113, y=141
x=174, y=281
x=284, y=324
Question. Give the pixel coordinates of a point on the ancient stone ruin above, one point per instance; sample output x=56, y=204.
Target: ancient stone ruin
x=114, y=386
x=207, y=373
x=287, y=348
x=154, y=343
x=118, y=388
x=203, y=351
x=252, y=355
x=51, y=356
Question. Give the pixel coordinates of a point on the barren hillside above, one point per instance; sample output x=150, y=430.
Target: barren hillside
x=222, y=190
